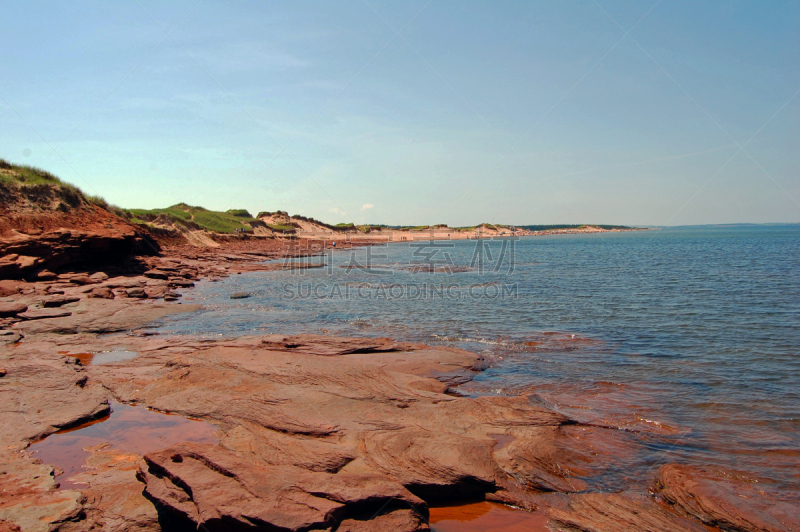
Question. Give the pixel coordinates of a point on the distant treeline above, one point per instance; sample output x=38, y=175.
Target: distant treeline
x=568, y=226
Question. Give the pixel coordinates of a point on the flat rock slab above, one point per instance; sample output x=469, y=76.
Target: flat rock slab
x=328, y=346
x=82, y=279
x=103, y=315
x=620, y=512
x=180, y=282
x=57, y=301
x=719, y=500
x=11, y=309
x=216, y=489
x=156, y=274
x=39, y=314
x=9, y=337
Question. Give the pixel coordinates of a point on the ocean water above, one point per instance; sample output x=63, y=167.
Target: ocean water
x=687, y=340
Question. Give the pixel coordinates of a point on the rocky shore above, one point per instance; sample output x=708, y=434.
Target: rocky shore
x=315, y=432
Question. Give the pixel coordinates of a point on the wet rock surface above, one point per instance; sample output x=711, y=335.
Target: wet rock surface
x=718, y=499
x=316, y=432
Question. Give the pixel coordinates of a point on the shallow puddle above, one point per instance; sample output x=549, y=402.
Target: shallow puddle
x=133, y=429
x=102, y=357
x=486, y=517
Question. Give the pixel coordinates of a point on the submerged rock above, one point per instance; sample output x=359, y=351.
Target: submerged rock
x=716, y=499
x=240, y=295
x=619, y=512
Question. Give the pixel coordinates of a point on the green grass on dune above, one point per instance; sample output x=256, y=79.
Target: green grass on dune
x=37, y=183
x=239, y=213
x=188, y=215
x=280, y=228
x=46, y=191
x=28, y=175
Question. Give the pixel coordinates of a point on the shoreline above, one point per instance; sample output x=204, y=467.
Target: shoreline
x=355, y=423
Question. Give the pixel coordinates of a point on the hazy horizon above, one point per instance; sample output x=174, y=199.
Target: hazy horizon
x=604, y=112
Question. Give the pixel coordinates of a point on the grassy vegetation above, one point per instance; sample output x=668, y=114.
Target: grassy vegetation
x=40, y=188
x=195, y=217
x=281, y=228
x=22, y=175
x=46, y=190
x=239, y=213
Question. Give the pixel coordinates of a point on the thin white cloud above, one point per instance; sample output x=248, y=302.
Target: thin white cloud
x=333, y=210
x=367, y=206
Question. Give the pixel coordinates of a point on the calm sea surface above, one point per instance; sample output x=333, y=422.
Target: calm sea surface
x=687, y=338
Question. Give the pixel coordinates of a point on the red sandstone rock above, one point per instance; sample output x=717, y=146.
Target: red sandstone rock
x=123, y=282
x=155, y=292
x=11, y=309
x=156, y=274
x=9, y=337
x=406, y=520
x=46, y=275
x=9, y=288
x=106, y=315
x=98, y=277
x=300, y=403
x=136, y=293
x=85, y=236
x=45, y=313
x=44, y=397
x=101, y=292
x=328, y=346
x=57, y=301
x=82, y=280
x=217, y=489
x=619, y=512
x=720, y=501
x=180, y=282
x=113, y=495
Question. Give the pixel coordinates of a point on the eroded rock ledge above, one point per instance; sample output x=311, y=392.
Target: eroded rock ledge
x=322, y=433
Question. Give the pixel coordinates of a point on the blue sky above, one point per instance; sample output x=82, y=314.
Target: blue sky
x=666, y=113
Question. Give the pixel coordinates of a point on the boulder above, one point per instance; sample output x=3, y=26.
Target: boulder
x=136, y=292
x=46, y=275
x=9, y=288
x=240, y=295
x=98, y=277
x=155, y=292
x=101, y=292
